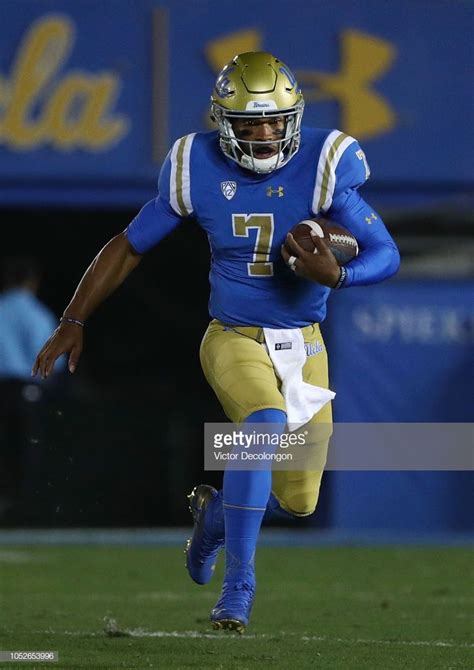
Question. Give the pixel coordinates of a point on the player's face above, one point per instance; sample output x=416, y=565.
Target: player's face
x=262, y=129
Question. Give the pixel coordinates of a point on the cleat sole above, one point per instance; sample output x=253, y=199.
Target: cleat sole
x=229, y=624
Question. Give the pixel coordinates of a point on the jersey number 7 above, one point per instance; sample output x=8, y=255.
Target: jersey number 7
x=261, y=266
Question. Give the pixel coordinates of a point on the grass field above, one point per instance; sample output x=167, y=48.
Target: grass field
x=323, y=607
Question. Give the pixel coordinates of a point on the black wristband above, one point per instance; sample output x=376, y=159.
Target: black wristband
x=342, y=278
x=69, y=319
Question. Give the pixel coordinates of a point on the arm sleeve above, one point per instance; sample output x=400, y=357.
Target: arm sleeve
x=378, y=257
x=157, y=218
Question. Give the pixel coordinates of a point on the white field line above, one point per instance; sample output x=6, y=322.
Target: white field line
x=195, y=634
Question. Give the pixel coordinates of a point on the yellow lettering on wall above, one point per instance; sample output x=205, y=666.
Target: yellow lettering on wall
x=64, y=110
x=220, y=51
x=78, y=112
x=40, y=55
x=364, y=60
x=39, y=108
x=97, y=125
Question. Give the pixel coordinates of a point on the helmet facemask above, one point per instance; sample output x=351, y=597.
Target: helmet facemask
x=245, y=151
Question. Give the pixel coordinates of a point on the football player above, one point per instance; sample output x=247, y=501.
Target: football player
x=247, y=184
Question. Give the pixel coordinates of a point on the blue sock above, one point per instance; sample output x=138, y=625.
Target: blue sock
x=245, y=495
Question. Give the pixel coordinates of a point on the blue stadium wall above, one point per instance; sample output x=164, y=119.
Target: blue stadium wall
x=403, y=352
x=94, y=92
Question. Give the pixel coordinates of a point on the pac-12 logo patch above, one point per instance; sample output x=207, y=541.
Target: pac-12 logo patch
x=228, y=188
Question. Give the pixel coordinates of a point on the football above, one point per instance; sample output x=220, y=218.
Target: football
x=341, y=242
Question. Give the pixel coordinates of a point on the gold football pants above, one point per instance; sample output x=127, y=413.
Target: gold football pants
x=240, y=372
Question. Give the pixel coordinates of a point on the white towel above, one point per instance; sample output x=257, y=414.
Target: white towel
x=287, y=352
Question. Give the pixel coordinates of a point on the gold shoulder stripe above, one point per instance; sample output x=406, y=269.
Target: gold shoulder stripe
x=179, y=177
x=327, y=168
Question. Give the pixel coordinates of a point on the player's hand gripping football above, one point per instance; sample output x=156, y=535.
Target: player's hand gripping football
x=321, y=267
x=66, y=339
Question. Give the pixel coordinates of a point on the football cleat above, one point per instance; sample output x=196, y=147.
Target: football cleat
x=202, y=548
x=232, y=610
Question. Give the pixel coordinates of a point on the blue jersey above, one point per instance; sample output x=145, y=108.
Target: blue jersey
x=247, y=217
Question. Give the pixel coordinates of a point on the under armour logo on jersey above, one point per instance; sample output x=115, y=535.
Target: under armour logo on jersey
x=275, y=191
x=228, y=188
x=370, y=219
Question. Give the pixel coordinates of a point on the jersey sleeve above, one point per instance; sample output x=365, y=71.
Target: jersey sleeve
x=378, y=257
x=352, y=170
x=342, y=165
x=158, y=217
